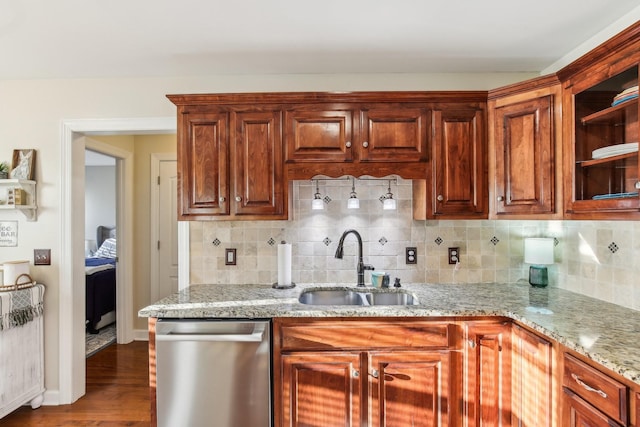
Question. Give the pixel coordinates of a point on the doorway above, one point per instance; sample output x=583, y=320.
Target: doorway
x=71, y=356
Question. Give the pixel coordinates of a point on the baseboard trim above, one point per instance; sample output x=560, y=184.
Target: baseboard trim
x=140, y=335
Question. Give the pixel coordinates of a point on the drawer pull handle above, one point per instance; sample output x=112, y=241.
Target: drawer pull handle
x=588, y=387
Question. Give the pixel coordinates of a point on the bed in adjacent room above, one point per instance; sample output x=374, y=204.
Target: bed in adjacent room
x=100, y=270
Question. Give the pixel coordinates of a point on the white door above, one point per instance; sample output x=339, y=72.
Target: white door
x=167, y=242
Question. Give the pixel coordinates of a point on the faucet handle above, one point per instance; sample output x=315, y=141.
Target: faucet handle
x=368, y=267
x=396, y=283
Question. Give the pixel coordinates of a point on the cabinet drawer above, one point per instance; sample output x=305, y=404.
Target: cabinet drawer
x=370, y=335
x=602, y=391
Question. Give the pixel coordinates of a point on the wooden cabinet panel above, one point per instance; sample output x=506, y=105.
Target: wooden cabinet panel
x=524, y=157
x=578, y=413
x=531, y=387
x=606, y=394
x=203, y=161
x=358, y=335
x=321, y=389
x=316, y=134
x=394, y=134
x=487, y=374
x=459, y=163
x=258, y=165
x=409, y=388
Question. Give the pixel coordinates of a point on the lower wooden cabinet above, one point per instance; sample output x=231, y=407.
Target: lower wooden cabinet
x=487, y=373
x=409, y=388
x=531, y=385
x=364, y=373
x=321, y=389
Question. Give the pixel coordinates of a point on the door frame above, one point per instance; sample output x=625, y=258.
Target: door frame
x=71, y=339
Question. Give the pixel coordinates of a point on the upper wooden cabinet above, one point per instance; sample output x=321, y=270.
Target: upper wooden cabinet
x=525, y=150
x=348, y=133
x=456, y=187
x=230, y=163
x=602, y=177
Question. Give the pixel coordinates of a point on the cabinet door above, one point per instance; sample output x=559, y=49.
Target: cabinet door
x=459, y=163
x=524, y=157
x=203, y=161
x=393, y=134
x=531, y=379
x=315, y=134
x=487, y=374
x=410, y=389
x=578, y=413
x=321, y=389
x=258, y=167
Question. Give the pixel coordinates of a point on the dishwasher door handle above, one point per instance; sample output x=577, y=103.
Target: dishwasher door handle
x=256, y=336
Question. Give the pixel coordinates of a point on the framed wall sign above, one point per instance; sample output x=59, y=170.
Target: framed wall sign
x=8, y=233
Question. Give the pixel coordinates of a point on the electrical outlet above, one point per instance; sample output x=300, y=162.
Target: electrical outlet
x=454, y=255
x=411, y=255
x=42, y=257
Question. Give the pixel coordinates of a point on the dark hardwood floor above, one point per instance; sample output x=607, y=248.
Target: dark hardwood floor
x=117, y=393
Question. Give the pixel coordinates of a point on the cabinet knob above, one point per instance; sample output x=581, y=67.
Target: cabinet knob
x=472, y=344
x=374, y=373
x=500, y=198
x=221, y=199
x=440, y=198
x=355, y=373
x=365, y=144
x=238, y=199
x=348, y=144
x=637, y=185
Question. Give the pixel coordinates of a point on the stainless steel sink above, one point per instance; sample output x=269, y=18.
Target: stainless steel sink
x=331, y=297
x=356, y=297
x=391, y=298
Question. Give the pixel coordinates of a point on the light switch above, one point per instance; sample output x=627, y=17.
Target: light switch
x=230, y=256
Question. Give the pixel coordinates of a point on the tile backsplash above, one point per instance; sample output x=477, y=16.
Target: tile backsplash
x=595, y=258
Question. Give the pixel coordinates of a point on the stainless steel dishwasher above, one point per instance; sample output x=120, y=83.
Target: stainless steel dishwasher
x=213, y=373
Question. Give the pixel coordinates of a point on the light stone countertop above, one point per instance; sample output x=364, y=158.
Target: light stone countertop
x=606, y=333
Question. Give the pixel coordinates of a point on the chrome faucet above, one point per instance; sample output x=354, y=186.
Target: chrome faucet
x=361, y=265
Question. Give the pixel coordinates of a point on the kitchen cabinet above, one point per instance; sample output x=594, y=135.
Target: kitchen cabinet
x=458, y=165
x=25, y=202
x=350, y=372
x=637, y=410
x=531, y=382
x=487, y=373
x=230, y=163
x=525, y=150
x=356, y=133
x=601, y=132
x=591, y=397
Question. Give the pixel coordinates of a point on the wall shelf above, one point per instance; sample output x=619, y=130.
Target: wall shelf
x=30, y=208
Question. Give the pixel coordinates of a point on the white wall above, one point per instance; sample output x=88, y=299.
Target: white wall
x=99, y=198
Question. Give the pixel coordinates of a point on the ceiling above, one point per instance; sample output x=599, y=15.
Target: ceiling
x=42, y=39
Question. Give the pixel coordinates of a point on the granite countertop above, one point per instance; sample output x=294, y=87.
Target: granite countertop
x=606, y=333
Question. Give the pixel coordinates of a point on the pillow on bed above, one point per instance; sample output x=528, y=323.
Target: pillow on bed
x=107, y=249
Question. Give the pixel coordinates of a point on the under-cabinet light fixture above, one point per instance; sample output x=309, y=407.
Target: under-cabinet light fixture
x=389, y=203
x=353, y=202
x=317, y=203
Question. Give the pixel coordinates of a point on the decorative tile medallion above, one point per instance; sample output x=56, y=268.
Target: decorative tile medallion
x=438, y=241
x=494, y=240
x=613, y=247
x=327, y=241
x=271, y=241
x=382, y=240
x=216, y=242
